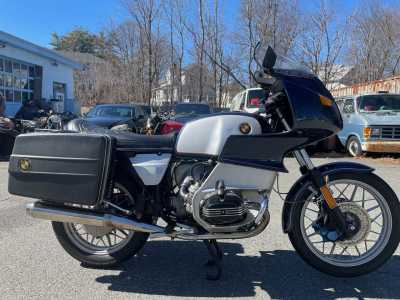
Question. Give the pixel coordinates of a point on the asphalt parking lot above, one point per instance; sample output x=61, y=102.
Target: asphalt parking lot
x=33, y=265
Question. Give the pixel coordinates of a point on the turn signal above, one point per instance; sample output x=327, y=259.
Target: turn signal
x=367, y=132
x=325, y=101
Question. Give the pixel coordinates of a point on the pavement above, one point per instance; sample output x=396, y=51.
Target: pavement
x=33, y=265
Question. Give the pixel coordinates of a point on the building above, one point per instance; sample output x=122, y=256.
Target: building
x=28, y=71
x=168, y=88
x=390, y=85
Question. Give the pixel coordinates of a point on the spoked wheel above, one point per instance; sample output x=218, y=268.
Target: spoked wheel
x=372, y=212
x=97, y=246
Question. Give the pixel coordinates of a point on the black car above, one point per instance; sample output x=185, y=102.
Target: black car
x=110, y=115
x=185, y=112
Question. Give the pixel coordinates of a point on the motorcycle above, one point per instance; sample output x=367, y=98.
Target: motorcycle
x=211, y=182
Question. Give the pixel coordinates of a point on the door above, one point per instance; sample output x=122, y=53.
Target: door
x=348, y=111
x=59, y=96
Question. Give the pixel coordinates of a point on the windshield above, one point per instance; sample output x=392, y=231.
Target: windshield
x=146, y=109
x=255, y=97
x=379, y=103
x=192, y=109
x=112, y=112
x=283, y=65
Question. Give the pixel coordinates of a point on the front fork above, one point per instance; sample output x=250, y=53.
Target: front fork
x=307, y=167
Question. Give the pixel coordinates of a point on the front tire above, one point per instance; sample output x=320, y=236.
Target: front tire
x=354, y=147
x=379, y=228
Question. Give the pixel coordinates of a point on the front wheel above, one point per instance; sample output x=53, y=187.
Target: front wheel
x=354, y=147
x=370, y=207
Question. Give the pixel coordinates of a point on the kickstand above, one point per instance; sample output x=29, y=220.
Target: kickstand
x=215, y=259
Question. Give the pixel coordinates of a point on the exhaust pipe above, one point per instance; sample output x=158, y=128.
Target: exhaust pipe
x=75, y=215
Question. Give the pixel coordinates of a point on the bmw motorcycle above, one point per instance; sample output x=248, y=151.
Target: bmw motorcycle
x=104, y=192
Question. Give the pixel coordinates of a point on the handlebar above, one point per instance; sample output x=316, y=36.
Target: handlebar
x=273, y=102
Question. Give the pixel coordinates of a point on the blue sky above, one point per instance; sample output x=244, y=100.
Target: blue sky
x=35, y=20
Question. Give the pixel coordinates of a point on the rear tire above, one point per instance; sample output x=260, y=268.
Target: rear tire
x=348, y=268
x=97, y=255
x=106, y=260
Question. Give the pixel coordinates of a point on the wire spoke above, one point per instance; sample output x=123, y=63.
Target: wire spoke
x=109, y=240
x=123, y=232
x=312, y=234
x=358, y=251
x=376, y=218
x=332, y=249
x=353, y=194
x=313, y=210
x=344, y=250
x=373, y=208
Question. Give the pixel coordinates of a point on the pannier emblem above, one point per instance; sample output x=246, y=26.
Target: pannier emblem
x=245, y=128
x=24, y=164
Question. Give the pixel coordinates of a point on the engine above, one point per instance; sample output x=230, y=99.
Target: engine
x=219, y=207
x=223, y=208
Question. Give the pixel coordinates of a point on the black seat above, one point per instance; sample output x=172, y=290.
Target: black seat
x=148, y=143
x=127, y=141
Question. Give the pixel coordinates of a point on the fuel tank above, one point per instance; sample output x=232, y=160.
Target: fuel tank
x=207, y=136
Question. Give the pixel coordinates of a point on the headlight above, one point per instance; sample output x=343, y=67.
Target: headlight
x=368, y=132
x=375, y=132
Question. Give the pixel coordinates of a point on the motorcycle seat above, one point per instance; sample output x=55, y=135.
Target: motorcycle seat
x=127, y=141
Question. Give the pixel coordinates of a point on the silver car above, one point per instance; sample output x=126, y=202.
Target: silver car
x=371, y=123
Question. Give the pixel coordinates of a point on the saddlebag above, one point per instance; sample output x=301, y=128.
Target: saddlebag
x=61, y=167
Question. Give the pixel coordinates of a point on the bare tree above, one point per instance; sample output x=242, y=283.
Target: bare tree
x=321, y=44
x=146, y=15
x=375, y=41
x=273, y=22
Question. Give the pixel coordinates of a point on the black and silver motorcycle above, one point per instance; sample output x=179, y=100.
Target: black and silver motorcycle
x=104, y=192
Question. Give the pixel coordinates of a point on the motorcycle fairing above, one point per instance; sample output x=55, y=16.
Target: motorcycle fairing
x=309, y=119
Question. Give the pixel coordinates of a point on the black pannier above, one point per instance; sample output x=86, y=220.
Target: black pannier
x=61, y=167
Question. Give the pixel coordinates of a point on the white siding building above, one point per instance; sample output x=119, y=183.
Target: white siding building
x=28, y=71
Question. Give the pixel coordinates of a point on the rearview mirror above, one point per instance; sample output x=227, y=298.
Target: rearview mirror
x=269, y=59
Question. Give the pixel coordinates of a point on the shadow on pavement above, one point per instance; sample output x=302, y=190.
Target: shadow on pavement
x=175, y=268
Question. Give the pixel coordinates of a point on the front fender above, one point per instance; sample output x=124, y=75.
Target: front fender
x=327, y=169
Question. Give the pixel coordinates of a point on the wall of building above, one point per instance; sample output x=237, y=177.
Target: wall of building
x=51, y=73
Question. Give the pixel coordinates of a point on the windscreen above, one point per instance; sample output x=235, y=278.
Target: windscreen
x=379, y=103
x=112, y=111
x=255, y=97
x=194, y=109
x=283, y=64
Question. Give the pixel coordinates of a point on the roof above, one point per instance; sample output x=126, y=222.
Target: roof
x=8, y=39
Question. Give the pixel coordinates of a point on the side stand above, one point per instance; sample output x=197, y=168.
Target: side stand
x=215, y=259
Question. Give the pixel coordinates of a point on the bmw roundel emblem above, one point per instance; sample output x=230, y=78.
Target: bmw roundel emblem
x=245, y=128
x=24, y=164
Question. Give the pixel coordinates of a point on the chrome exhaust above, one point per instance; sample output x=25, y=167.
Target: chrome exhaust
x=73, y=215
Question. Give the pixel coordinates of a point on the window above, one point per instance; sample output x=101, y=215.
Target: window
x=348, y=107
x=16, y=80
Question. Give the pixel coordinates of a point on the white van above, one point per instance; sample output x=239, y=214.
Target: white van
x=248, y=100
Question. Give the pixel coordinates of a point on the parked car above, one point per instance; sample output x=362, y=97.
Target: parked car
x=183, y=113
x=110, y=115
x=248, y=100
x=371, y=123
x=147, y=110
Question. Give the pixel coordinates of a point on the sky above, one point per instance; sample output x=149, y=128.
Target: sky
x=35, y=20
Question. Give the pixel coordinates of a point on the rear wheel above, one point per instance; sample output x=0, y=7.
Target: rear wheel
x=101, y=247
x=370, y=207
